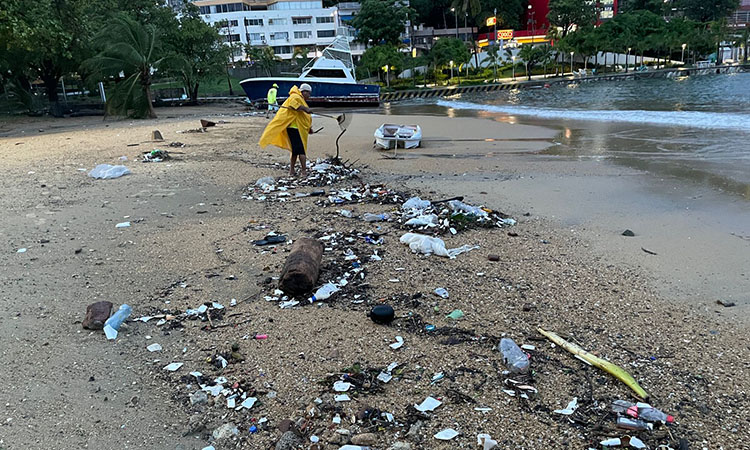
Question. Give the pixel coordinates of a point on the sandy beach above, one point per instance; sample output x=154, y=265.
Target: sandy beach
x=190, y=242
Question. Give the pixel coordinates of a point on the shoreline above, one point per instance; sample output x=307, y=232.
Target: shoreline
x=190, y=242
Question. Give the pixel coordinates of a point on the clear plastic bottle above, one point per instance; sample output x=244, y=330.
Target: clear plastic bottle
x=324, y=292
x=633, y=424
x=112, y=325
x=369, y=217
x=654, y=415
x=515, y=358
x=642, y=411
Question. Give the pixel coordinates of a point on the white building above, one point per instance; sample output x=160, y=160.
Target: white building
x=280, y=24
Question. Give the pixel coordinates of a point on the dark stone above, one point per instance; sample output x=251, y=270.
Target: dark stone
x=96, y=314
x=78, y=250
x=725, y=303
x=382, y=314
x=289, y=441
x=493, y=257
x=285, y=425
x=628, y=233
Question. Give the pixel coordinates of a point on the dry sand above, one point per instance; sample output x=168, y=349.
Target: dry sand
x=65, y=387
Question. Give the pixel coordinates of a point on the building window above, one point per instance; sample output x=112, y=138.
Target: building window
x=283, y=49
x=278, y=21
x=205, y=9
x=302, y=34
x=255, y=37
x=280, y=36
x=326, y=33
x=234, y=38
x=326, y=19
x=254, y=22
x=301, y=20
x=233, y=23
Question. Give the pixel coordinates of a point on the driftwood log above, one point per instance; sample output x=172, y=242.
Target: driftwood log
x=302, y=267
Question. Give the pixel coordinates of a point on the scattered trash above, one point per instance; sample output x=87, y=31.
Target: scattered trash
x=341, y=386
x=21, y=250
x=123, y=158
x=155, y=155
x=603, y=364
x=612, y=442
x=514, y=358
x=636, y=443
x=225, y=431
x=570, y=409
x=486, y=442
x=108, y=171
x=369, y=217
x=341, y=398
x=270, y=239
x=429, y=404
x=446, y=435
x=633, y=424
x=345, y=213
x=249, y=402
x=96, y=315
x=172, y=367
x=112, y=325
x=382, y=314
x=419, y=243
x=123, y=225
x=154, y=348
x=442, y=292
x=455, y=314
x=324, y=292
x=398, y=344
x=649, y=251
x=415, y=203
x=641, y=411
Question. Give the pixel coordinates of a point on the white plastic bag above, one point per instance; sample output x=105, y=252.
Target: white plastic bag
x=419, y=243
x=415, y=203
x=108, y=171
x=429, y=220
x=461, y=207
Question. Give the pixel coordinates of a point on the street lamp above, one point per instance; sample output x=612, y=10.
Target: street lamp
x=514, y=67
x=532, y=22
x=571, y=62
x=627, y=58
x=682, y=58
x=456, y=14
x=451, y=71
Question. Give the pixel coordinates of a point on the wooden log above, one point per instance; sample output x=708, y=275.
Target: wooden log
x=302, y=267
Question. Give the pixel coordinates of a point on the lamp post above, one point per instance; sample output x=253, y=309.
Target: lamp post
x=387, y=72
x=451, y=71
x=413, y=69
x=682, y=58
x=627, y=59
x=532, y=22
x=514, y=67
x=571, y=62
x=456, y=14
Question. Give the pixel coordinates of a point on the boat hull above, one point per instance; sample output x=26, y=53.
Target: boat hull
x=324, y=93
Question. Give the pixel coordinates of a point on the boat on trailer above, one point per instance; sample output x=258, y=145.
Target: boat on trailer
x=331, y=76
x=388, y=136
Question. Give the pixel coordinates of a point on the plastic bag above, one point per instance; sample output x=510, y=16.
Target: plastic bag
x=429, y=220
x=461, y=207
x=415, y=203
x=419, y=243
x=108, y=171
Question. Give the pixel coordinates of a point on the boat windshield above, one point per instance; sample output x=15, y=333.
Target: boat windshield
x=325, y=73
x=339, y=50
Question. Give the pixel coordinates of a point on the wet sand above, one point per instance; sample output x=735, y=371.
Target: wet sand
x=189, y=243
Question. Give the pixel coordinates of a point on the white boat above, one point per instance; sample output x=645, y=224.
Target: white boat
x=388, y=136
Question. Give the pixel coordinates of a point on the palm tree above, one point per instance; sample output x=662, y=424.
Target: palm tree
x=263, y=56
x=132, y=49
x=299, y=56
x=530, y=56
x=493, y=57
x=545, y=56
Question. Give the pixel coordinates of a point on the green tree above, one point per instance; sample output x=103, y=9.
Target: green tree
x=510, y=13
x=493, y=58
x=195, y=50
x=655, y=6
x=531, y=55
x=381, y=21
x=375, y=58
x=299, y=56
x=568, y=13
x=446, y=50
x=471, y=7
x=706, y=11
x=263, y=57
x=131, y=48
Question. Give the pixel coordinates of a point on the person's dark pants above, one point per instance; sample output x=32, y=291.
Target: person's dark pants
x=298, y=150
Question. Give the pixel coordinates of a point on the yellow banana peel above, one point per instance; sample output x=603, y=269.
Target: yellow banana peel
x=612, y=369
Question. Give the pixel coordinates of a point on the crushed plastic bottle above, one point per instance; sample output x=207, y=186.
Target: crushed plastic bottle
x=515, y=359
x=369, y=217
x=324, y=292
x=633, y=424
x=642, y=411
x=112, y=325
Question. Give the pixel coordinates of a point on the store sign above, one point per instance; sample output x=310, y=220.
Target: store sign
x=491, y=21
x=505, y=35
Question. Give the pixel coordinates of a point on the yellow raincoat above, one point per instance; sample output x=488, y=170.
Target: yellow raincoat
x=275, y=132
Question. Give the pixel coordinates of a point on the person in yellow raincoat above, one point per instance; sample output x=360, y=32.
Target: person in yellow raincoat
x=291, y=126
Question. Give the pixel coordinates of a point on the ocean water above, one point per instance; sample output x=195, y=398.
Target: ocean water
x=694, y=129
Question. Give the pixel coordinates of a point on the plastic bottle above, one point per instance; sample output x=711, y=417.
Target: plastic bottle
x=324, y=292
x=642, y=411
x=369, y=217
x=633, y=424
x=654, y=415
x=112, y=325
x=515, y=359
